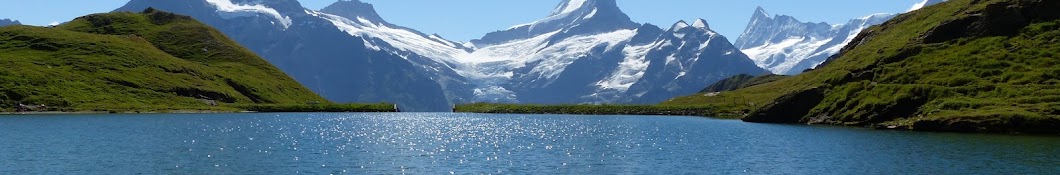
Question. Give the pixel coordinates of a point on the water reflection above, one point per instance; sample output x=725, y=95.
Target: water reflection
x=435, y=143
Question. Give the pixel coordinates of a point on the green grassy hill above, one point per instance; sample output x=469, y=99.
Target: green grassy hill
x=963, y=65
x=151, y=61
x=741, y=81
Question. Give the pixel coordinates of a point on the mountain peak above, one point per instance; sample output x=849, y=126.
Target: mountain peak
x=571, y=17
x=701, y=23
x=353, y=9
x=572, y=6
x=679, y=25
x=698, y=24
x=760, y=13
x=4, y=22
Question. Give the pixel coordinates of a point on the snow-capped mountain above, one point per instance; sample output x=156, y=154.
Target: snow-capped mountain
x=588, y=51
x=361, y=19
x=343, y=60
x=434, y=55
x=784, y=45
x=679, y=61
x=572, y=17
x=7, y=22
x=584, y=51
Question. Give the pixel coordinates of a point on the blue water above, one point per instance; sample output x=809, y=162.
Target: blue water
x=443, y=143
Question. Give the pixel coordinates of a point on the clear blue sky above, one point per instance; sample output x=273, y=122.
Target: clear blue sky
x=462, y=20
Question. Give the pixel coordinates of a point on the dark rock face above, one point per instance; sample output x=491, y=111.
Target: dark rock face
x=994, y=124
x=789, y=108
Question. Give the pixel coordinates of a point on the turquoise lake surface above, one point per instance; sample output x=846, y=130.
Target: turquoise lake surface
x=456, y=143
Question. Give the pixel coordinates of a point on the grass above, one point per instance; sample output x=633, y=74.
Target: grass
x=152, y=61
x=741, y=81
x=902, y=74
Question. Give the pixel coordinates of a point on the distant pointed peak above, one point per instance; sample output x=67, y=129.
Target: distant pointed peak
x=701, y=23
x=9, y=22
x=679, y=25
x=759, y=11
x=573, y=6
x=568, y=6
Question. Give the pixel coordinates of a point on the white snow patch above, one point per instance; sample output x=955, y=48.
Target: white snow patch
x=549, y=59
x=554, y=59
x=679, y=34
x=591, y=14
x=671, y=59
x=432, y=47
x=679, y=25
x=442, y=40
x=706, y=43
x=512, y=50
x=783, y=56
x=701, y=23
x=227, y=10
x=571, y=6
x=630, y=70
x=370, y=45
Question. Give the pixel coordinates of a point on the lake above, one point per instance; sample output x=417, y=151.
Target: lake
x=448, y=143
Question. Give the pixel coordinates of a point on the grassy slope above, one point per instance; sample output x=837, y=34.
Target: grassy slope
x=741, y=81
x=153, y=61
x=987, y=83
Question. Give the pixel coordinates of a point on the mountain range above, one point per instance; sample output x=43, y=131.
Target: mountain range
x=784, y=45
x=7, y=22
x=584, y=51
x=588, y=51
